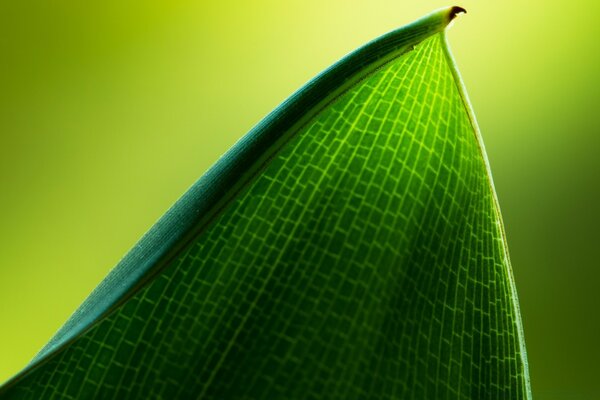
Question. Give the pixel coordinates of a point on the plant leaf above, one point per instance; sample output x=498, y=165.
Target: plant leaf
x=350, y=246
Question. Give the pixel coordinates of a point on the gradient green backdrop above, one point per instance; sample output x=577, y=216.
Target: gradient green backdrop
x=109, y=110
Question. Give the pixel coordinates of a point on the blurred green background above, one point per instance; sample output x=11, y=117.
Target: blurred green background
x=110, y=110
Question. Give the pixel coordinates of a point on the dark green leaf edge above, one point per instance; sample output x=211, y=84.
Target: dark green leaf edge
x=198, y=207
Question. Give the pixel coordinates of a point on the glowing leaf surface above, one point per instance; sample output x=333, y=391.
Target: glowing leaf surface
x=349, y=247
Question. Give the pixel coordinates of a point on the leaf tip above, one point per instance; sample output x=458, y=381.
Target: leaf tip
x=454, y=11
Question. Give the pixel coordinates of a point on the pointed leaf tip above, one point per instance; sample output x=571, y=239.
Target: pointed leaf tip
x=454, y=11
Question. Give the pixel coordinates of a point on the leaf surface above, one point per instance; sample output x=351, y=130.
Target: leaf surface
x=350, y=246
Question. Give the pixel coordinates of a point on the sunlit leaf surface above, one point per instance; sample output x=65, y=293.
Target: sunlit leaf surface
x=349, y=247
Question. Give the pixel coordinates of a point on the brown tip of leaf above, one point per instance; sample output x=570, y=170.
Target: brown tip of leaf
x=454, y=11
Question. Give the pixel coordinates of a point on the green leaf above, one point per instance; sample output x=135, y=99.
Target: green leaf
x=350, y=246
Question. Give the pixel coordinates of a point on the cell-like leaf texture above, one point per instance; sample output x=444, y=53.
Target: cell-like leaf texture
x=349, y=247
